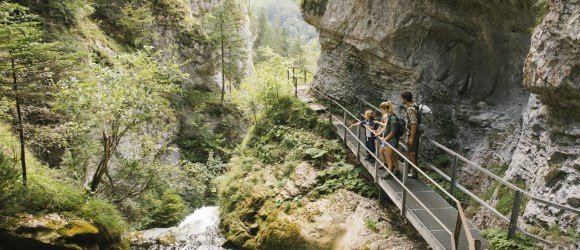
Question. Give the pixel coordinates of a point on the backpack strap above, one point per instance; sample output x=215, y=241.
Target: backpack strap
x=418, y=109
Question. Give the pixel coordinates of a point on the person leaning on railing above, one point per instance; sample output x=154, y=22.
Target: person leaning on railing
x=370, y=125
x=388, y=125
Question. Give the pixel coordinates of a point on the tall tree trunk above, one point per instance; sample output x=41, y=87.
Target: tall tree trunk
x=20, y=123
x=223, y=66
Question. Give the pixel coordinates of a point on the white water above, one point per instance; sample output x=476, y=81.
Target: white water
x=197, y=231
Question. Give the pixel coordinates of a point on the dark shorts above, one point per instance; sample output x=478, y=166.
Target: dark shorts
x=413, y=148
x=393, y=143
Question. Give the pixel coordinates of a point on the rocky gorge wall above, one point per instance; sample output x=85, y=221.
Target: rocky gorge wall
x=468, y=60
x=547, y=156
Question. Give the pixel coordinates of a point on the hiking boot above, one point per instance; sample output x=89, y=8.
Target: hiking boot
x=398, y=174
x=412, y=175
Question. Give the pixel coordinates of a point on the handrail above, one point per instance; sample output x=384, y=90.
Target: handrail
x=482, y=202
x=492, y=175
x=396, y=179
x=457, y=203
x=461, y=214
x=497, y=178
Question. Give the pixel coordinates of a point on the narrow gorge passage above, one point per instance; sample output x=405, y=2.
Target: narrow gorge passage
x=175, y=124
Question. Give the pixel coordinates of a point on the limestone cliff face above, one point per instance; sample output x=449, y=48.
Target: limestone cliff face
x=193, y=48
x=473, y=62
x=547, y=155
x=463, y=58
x=448, y=50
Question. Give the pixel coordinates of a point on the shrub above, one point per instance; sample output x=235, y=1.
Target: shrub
x=498, y=240
x=280, y=234
x=169, y=212
x=343, y=175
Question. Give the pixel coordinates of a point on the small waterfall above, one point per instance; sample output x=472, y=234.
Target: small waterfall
x=197, y=231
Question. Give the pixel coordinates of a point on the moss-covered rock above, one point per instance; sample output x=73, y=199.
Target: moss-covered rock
x=280, y=234
x=51, y=231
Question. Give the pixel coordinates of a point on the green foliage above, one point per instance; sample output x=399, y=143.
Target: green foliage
x=224, y=23
x=201, y=141
x=137, y=22
x=343, y=175
x=541, y=9
x=169, y=212
x=497, y=168
x=280, y=28
x=27, y=64
x=201, y=187
x=280, y=234
x=497, y=240
x=372, y=225
x=120, y=103
x=48, y=192
x=9, y=178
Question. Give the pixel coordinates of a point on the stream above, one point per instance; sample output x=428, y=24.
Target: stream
x=199, y=230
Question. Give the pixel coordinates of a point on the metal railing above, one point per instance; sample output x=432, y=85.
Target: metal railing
x=462, y=222
x=294, y=73
x=513, y=226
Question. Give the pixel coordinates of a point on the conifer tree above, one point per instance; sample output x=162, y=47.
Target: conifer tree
x=27, y=63
x=224, y=23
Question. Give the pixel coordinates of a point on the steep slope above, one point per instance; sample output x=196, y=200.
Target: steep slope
x=290, y=186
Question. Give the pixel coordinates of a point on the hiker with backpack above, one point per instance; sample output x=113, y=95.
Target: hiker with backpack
x=413, y=117
x=370, y=126
x=390, y=133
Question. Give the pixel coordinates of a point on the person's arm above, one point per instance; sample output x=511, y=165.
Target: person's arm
x=355, y=124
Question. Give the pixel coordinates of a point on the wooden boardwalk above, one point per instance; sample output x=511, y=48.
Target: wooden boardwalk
x=433, y=233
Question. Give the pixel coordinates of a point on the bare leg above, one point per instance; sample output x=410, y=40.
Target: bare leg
x=390, y=158
x=395, y=161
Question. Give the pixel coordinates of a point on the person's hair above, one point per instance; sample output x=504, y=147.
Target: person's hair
x=369, y=114
x=407, y=96
x=388, y=107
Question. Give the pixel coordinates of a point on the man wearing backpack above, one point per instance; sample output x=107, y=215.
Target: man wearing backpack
x=412, y=124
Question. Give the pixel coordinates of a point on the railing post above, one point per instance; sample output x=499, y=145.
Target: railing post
x=288, y=73
x=515, y=214
x=358, y=129
x=453, y=179
x=377, y=164
x=295, y=86
x=345, y=128
x=304, y=77
x=404, y=198
x=330, y=111
x=358, y=144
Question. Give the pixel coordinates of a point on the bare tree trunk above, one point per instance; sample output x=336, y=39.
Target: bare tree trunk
x=223, y=66
x=103, y=165
x=20, y=123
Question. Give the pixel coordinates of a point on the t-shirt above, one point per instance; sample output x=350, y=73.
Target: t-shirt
x=391, y=124
x=370, y=123
x=412, y=115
